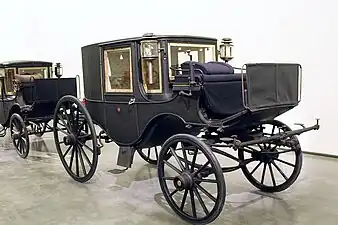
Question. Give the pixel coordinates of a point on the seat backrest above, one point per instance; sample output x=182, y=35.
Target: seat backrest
x=27, y=78
x=210, y=68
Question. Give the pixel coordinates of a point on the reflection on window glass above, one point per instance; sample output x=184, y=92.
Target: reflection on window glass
x=155, y=86
x=2, y=74
x=118, y=74
x=199, y=52
x=9, y=74
x=37, y=72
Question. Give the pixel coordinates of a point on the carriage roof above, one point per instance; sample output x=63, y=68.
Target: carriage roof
x=186, y=38
x=25, y=63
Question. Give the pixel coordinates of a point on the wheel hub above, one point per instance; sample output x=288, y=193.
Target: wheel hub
x=69, y=139
x=183, y=181
x=266, y=155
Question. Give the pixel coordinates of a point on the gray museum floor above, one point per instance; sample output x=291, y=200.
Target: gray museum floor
x=37, y=191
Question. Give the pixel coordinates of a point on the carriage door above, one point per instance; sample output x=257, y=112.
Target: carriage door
x=120, y=109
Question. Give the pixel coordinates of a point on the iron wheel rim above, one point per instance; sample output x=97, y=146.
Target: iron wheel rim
x=73, y=120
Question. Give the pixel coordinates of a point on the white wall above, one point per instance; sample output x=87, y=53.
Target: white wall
x=303, y=31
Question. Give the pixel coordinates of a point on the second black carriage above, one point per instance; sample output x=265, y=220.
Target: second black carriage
x=29, y=94
x=172, y=92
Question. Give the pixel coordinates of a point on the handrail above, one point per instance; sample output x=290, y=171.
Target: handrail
x=79, y=89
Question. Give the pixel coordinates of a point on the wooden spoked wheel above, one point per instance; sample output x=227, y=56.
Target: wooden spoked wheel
x=19, y=135
x=75, y=139
x=39, y=128
x=277, y=166
x=198, y=187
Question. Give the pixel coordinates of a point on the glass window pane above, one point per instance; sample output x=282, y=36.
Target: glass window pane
x=155, y=86
x=118, y=74
x=9, y=80
x=37, y=72
x=199, y=52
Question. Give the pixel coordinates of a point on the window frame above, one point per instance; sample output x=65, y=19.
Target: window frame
x=6, y=78
x=106, y=70
x=45, y=75
x=182, y=44
x=153, y=91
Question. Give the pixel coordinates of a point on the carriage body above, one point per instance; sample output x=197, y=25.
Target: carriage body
x=29, y=94
x=119, y=94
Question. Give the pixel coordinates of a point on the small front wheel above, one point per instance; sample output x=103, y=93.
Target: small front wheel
x=19, y=135
x=197, y=183
x=77, y=146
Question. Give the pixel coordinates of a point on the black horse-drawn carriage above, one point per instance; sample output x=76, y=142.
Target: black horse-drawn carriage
x=173, y=93
x=29, y=94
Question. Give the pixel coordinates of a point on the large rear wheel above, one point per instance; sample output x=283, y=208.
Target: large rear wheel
x=75, y=138
x=197, y=183
x=277, y=165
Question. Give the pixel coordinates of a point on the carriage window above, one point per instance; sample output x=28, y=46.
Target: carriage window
x=2, y=75
x=38, y=72
x=118, y=72
x=9, y=77
x=178, y=54
x=152, y=84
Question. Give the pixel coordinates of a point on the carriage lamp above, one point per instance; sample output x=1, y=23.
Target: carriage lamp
x=58, y=70
x=149, y=52
x=226, y=49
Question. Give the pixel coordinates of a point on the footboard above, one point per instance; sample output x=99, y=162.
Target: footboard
x=271, y=85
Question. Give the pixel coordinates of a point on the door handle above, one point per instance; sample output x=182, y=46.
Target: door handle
x=131, y=101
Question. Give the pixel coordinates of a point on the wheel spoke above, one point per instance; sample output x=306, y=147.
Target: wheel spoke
x=193, y=206
x=84, y=136
x=201, y=201
x=192, y=167
x=80, y=127
x=168, y=178
x=206, y=180
x=282, y=161
x=59, y=129
x=64, y=123
x=71, y=159
x=285, y=151
x=156, y=152
x=172, y=166
x=273, y=131
x=82, y=162
x=201, y=168
x=279, y=170
x=86, y=146
x=260, y=163
x=263, y=174
x=148, y=153
x=85, y=155
x=206, y=192
x=77, y=161
x=173, y=192
x=183, y=199
x=70, y=147
x=272, y=175
x=66, y=114
x=185, y=157
x=177, y=159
